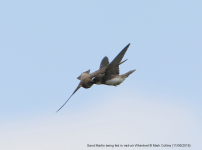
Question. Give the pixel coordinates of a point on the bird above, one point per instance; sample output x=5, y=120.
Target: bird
x=111, y=75
x=103, y=65
x=85, y=82
x=107, y=74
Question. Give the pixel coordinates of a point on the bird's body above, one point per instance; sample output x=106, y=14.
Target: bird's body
x=111, y=75
x=103, y=66
x=114, y=80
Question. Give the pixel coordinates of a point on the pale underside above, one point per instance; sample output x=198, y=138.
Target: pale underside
x=115, y=81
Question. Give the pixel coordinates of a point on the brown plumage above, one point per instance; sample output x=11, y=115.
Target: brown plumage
x=111, y=75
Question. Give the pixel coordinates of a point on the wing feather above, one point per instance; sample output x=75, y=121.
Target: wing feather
x=69, y=97
x=113, y=67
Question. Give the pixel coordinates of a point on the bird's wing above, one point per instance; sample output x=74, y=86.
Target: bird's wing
x=104, y=62
x=69, y=97
x=100, y=71
x=113, y=67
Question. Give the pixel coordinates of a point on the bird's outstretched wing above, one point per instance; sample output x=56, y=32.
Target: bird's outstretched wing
x=113, y=67
x=69, y=97
x=104, y=62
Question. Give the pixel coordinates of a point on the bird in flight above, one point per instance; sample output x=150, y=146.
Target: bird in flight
x=107, y=74
x=111, y=75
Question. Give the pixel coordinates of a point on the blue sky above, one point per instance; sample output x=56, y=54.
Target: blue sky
x=46, y=45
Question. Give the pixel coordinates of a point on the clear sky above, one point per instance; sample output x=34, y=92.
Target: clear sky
x=45, y=45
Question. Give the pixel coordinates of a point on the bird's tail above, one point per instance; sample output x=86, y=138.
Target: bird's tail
x=128, y=73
